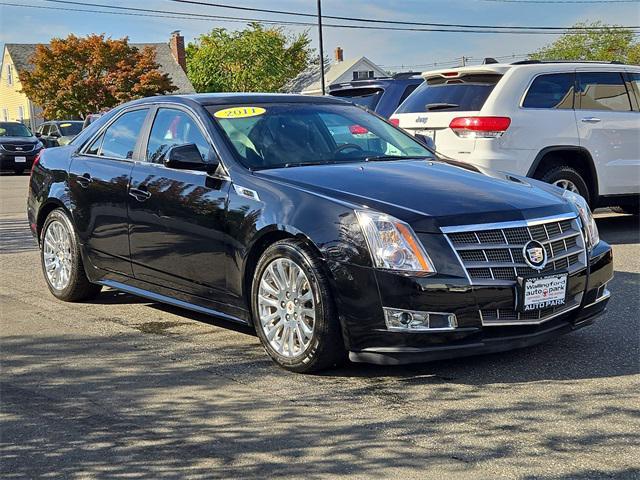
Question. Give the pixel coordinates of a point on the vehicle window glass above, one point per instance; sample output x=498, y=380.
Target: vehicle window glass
x=173, y=127
x=603, y=91
x=635, y=84
x=286, y=135
x=466, y=93
x=551, y=91
x=366, y=97
x=407, y=91
x=45, y=129
x=14, y=130
x=95, y=146
x=121, y=136
x=69, y=129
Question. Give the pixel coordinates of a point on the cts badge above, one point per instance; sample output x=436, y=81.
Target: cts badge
x=535, y=255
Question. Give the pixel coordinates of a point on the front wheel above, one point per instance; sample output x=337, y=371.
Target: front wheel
x=293, y=310
x=61, y=260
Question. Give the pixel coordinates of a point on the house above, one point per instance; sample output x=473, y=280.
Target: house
x=308, y=82
x=16, y=106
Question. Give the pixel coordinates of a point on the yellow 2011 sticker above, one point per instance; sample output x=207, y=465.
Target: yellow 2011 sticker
x=239, y=112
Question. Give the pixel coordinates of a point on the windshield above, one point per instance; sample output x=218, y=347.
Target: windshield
x=70, y=129
x=14, y=130
x=287, y=135
x=367, y=97
x=467, y=93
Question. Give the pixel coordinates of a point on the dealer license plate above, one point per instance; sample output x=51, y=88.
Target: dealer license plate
x=20, y=159
x=543, y=292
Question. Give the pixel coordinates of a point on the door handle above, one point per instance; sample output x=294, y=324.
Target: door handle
x=84, y=180
x=590, y=120
x=139, y=194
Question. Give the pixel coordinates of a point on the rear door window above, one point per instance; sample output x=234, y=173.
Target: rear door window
x=366, y=97
x=602, y=91
x=466, y=93
x=120, y=138
x=555, y=91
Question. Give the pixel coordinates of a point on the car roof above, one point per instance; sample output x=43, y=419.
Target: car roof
x=240, y=98
x=376, y=82
x=502, y=68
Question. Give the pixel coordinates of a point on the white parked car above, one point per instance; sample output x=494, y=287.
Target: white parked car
x=573, y=124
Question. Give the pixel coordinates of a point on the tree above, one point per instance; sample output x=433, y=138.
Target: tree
x=250, y=60
x=607, y=43
x=75, y=76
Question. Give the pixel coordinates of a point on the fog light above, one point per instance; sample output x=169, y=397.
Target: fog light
x=411, y=320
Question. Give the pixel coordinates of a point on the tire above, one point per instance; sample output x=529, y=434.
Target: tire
x=306, y=352
x=73, y=284
x=564, y=173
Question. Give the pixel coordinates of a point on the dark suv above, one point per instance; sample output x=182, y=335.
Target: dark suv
x=18, y=147
x=381, y=95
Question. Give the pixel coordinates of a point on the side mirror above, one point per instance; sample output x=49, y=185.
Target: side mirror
x=188, y=157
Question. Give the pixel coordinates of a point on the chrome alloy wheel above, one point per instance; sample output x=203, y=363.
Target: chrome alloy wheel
x=286, y=307
x=566, y=185
x=57, y=255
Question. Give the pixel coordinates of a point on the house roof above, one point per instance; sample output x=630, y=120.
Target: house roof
x=21, y=53
x=309, y=79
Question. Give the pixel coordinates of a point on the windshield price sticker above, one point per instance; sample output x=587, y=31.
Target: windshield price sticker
x=544, y=292
x=239, y=112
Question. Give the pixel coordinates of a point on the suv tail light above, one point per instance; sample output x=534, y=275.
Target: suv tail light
x=36, y=161
x=358, y=130
x=394, y=121
x=479, y=127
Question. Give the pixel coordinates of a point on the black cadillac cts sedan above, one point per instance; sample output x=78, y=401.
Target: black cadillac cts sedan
x=331, y=232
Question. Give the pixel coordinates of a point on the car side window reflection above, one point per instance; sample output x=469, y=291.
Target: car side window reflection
x=120, y=138
x=170, y=128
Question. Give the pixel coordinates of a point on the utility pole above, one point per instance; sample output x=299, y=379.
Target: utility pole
x=321, y=47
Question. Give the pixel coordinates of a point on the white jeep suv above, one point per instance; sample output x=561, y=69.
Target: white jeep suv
x=576, y=125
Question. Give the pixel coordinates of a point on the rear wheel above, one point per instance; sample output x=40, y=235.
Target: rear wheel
x=61, y=260
x=567, y=178
x=293, y=310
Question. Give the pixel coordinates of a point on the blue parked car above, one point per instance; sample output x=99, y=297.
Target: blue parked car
x=381, y=95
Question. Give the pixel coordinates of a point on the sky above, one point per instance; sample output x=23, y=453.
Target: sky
x=395, y=51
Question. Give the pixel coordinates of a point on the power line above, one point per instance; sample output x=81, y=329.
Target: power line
x=394, y=22
x=191, y=15
x=562, y=1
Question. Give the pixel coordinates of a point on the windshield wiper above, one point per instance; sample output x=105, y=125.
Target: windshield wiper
x=386, y=158
x=305, y=164
x=440, y=106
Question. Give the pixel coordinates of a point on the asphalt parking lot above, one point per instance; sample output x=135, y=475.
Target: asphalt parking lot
x=121, y=387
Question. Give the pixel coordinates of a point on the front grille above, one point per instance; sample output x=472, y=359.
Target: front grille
x=19, y=147
x=507, y=316
x=495, y=251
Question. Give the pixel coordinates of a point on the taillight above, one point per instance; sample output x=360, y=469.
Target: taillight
x=394, y=121
x=479, y=127
x=36, y=161
x=358, y=130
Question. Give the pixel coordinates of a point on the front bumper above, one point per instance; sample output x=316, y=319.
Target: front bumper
x=8, y=160
x=368, y=339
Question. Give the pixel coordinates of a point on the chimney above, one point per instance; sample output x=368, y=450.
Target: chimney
x=339, y=54
x=176, y=43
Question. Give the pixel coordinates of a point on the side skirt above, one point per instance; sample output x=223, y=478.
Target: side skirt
x=156, y=297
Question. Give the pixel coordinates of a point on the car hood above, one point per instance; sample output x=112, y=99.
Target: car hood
x=428, y=194
x=18, y=139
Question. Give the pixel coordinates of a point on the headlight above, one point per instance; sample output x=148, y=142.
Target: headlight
x=392, y=243
x=591, y=229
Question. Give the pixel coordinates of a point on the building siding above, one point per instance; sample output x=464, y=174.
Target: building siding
x=12, y=100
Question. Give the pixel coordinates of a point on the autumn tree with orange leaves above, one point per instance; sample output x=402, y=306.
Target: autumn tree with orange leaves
x=74, y=76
